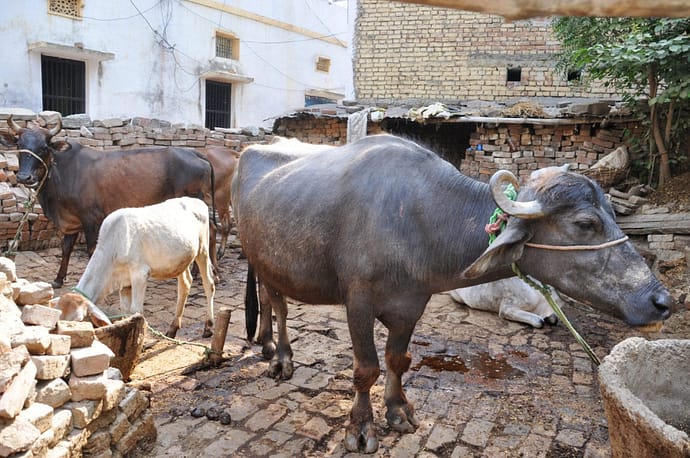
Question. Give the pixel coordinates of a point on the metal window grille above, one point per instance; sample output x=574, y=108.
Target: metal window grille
x=323, y=64
x=64, y=87
x=71, y=8
x=218, y=104
x=226, y=47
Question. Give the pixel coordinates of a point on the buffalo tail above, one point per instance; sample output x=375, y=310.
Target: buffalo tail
x=251, y=303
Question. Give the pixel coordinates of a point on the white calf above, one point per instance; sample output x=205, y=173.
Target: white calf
x=158, y=241
x=512, y=298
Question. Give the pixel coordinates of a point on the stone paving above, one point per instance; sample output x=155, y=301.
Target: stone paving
x=481, y=386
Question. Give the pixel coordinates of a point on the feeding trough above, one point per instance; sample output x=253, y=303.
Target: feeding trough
x=125, y=338
x=646, y=395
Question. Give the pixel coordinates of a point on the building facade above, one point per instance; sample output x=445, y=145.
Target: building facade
x=207, y=62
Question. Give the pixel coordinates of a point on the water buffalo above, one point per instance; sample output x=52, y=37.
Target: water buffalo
x=83, y=185
x=381, y=224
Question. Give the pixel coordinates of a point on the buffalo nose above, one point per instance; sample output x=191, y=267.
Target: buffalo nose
x=663, y=302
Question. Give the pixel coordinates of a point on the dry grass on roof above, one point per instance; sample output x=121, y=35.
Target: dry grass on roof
x=525, y=110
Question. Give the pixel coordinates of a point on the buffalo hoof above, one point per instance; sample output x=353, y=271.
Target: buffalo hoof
x=268, y=350
x=57, y=283
x=278, y=369
x=172, y=332
x=401, y=419
x=364, y=435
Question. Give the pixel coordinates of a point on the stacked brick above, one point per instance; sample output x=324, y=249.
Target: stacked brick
x=310, y=128
x=59, y=397
x=522, y=148
x=37, y=231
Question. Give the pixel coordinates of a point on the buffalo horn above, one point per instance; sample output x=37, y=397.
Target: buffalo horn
x=56, y=128
x=13, y=125
x=527, y=210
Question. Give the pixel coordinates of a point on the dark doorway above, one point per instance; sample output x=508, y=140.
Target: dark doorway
x=218, y=104
x=64, y=87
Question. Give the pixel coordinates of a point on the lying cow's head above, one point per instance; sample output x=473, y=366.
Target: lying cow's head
x=37, y=140
x=556, y=209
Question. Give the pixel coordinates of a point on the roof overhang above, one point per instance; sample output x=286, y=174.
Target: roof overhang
x=225, y=75
x=76, y=51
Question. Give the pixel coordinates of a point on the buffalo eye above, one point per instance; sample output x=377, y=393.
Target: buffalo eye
x=587, y=224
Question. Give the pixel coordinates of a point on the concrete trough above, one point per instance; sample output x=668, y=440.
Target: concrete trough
x=646, y=390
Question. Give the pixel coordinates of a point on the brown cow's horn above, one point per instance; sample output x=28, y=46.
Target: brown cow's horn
x=13, y=125
x=56, y=128
x=519, y=209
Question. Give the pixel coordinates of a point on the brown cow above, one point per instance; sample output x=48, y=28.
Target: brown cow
x=223, y=161
x=79, y=186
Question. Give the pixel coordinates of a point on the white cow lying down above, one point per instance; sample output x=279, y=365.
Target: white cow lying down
x=134, y=244
x=512, y=298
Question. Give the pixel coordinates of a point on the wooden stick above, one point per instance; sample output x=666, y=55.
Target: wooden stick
x=220, y=332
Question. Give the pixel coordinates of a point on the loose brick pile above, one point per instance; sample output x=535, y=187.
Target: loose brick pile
x=59, y=397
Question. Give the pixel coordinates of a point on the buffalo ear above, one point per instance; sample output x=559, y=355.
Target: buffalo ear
x=8, y=139
x=505, y=250
x=60, y=146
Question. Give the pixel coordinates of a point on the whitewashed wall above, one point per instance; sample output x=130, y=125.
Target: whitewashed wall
x=158, y=74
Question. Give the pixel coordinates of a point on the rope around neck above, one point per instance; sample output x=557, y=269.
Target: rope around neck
x=13, y=244
x=610, y=243
x=498, y=222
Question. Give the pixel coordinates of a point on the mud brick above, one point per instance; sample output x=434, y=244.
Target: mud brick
x=53, y=392
x=91, y=360
x=81, y=332
x=40, y=315
x=87, y=387
x=114, y=393
x=142, y=429
x=18, y=391
x=38, y=414
x=62, y=424
x=41, y=445
x=98, y=442
x=11, y=364
x=59, y=344
x=50, y=367
x=36, y=339
x=84, y=412
x=119, y=427
x=17, y=436
x=134, y=403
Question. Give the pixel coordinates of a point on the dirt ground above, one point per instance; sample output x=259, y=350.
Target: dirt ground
x=482, y=386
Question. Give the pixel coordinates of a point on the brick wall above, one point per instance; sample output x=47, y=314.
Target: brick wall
x=413, y=53
x=38, y=232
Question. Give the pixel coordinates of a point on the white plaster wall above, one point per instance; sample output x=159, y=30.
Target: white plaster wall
x=157, y=74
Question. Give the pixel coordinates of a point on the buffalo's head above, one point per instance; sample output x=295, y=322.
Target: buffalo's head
x=33, y=165
x=555, y=210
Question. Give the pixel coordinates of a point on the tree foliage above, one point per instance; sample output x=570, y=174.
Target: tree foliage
x=643, y=58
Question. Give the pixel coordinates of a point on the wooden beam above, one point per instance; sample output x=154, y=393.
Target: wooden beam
x=660, y=223
x=524, y=9
x=239, y=12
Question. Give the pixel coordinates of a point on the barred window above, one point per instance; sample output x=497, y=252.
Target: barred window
x=69, y=8
x=323, y=64
x=227, y=46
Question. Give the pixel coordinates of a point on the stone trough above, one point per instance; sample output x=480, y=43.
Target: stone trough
x=646, y=395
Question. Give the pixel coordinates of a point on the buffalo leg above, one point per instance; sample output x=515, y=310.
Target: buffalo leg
x=399, y=411
x=281, y=364
x=206, y=271
x=184, y=285
x=265, y=337
x=361, y=429
x=212, y=250
x=68, y=242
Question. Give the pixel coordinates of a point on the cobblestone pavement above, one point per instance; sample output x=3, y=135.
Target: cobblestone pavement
x=481, y=386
